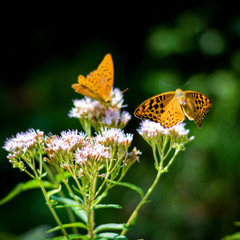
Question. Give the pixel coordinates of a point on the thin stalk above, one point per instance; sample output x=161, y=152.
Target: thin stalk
x=71, y=192
x=144, y=199
x=159, y=173
x=50, y=206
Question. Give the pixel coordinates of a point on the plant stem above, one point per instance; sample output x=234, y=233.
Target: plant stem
x=50, y=207
x=90, y=210
x=144, y=199
x=160, y=169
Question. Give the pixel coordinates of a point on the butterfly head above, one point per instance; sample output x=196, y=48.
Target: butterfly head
x=181, y=97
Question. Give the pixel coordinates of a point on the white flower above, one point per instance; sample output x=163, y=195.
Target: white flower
x=111, y=117
x=114, y=136
x=67, y=141
x=82, y=108
x=117, y=98
x=125, y=117
x=114, y=118
x=150, y=129
x=96, y=152
x=24, y=141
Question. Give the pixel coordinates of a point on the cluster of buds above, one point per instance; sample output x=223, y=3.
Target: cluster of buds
x=23, y=147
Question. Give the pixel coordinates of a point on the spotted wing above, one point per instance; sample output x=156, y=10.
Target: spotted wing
x=197, y=106
x=83, y=87
x=98, y=84
x=106, y=73
x=163, y=108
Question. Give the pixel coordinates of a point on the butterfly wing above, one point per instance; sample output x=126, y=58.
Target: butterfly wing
x=98, y=84
x=105, y=72
x=197, y=106
x=85, y=88
x=163, y=108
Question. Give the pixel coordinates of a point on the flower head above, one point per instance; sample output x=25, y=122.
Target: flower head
x=23, y=146
x=68, y=141
x=117, y=98
x=153, y=132
x=114, y=118
x=149, y=129
x=114, y=137
x=91, y=153
x=98, y=114
x=24, y=141
x=82, y=108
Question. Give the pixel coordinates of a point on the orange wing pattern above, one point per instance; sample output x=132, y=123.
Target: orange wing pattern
x=98, y=84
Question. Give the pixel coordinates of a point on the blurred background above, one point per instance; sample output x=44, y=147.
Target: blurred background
x=44, y=48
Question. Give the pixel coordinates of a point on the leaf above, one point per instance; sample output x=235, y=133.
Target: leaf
x=69, y=237
x=82, y=214
x=68, y=225
x=107, y=235
x=235, y=236
x=110, y=235
x=107, y=206
x=110, y=226
x=129, y=185
x=21, y=187
x=54, y=191
x=122, y=238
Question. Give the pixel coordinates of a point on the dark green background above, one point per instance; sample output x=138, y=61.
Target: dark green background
x=43, y=51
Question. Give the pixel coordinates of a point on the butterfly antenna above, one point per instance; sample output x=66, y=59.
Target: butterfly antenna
x=124, y=90
x=167, y=84
x=185, y=84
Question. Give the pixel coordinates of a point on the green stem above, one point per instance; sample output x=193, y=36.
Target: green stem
x=90, y=210
x=144, y=199
x=160, y=171
x=172, y=159
x=72, y=194
x=50, y=207
x=38, y=177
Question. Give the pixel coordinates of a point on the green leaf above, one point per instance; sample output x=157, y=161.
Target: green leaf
x=21, y=187
x=107, y=235
x=107, y=206
x=129, y=185
x=110, y=235
x=54, y=191
x=69, y=237
x=68, y=225
x=110, y=226
x=82, y=214
x=235, y=236
x=122, y=238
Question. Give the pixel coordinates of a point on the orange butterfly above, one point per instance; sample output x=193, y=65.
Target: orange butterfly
x=98, y=84
x=171, y=107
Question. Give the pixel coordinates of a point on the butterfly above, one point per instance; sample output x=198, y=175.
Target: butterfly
x=98, y=84
x=170, y=108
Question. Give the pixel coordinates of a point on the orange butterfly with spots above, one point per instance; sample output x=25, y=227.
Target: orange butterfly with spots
x=98, y=84
x=170, y=108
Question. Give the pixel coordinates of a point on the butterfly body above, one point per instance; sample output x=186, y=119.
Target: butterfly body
x=98, y=84
x=171, y=107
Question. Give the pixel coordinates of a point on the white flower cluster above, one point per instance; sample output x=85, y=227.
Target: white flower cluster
x=89, y=153
x=24, y=141
x=153, y=132
x=66, y=142
x=100, y=114
x=152, y=129
x=83, y=108
x=114, y=136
